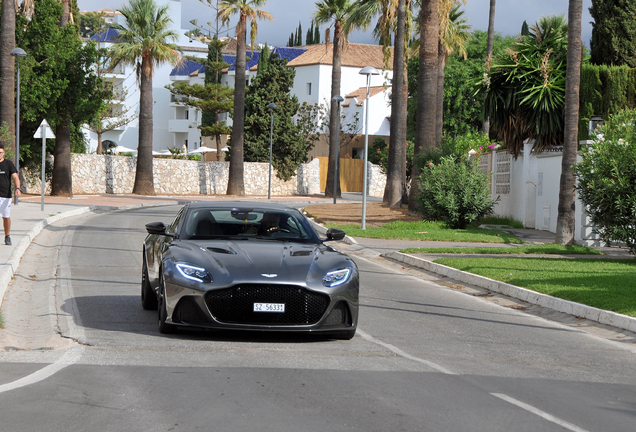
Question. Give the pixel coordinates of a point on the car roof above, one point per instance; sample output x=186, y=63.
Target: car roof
x=239, y=204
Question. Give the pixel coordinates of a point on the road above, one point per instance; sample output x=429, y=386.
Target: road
x=426, y=358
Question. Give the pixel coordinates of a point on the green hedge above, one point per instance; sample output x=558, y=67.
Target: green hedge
x=604, y=90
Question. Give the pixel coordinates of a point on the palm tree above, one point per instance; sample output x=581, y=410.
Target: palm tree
x=246, y=10
x=7, y=68
x=394, y=17
x=338, y=12
x=565, y=218
x=427, y=90
x=453, y=36
x=145, y=42
x=485, y=125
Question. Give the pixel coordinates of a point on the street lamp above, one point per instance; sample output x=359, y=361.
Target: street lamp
x=17, y=53
x=337, y=100
x=368, y=71
x=271, y=107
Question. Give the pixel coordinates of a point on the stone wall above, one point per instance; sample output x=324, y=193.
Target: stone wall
x=103, y=174
x=376, y=180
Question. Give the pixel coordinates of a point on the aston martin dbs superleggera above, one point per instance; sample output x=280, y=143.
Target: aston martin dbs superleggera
x=248, y=266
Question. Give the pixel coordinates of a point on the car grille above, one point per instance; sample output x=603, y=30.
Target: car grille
x=235, y=305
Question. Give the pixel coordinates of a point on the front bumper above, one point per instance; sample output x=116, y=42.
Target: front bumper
x=231, y=308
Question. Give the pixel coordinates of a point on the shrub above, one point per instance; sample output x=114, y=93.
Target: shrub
x=607, y=180
x=455, y=192
x=457, y=146
x=379, y=155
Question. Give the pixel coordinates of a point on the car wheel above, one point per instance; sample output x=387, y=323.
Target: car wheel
x=148, y=295
x=164, y=327
x=345, y=335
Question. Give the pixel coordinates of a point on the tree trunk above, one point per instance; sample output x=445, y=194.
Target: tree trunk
x=439, y=115
x=334, y=121
x=144, y=179
x=485, y=125
x=7, y=68
x=397, y=145
x=62, y=180
x=65, y=13
x=100, y=149
x=236, y=185
x=565, y=219
x=219, y=152
x=427, y=90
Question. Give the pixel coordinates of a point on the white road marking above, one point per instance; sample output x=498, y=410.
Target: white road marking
x=537, y=411
x=70, y=357
x=401, y=353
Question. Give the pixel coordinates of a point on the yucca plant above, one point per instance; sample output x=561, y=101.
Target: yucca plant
x=526, y=88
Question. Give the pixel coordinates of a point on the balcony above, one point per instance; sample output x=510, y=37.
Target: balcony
x=181, y=125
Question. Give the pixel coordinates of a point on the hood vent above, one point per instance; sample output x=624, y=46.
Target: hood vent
x=220, y=250
x=301, y=253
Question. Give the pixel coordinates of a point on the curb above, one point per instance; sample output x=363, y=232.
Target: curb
x=569, y=307
x=8, y=270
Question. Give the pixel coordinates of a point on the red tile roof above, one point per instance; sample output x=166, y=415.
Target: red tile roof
x=353, y=55
x=361, y=94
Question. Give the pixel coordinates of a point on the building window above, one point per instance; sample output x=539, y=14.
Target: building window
x=309, y=88
x=187, y=114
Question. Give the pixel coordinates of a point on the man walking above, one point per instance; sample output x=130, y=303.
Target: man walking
x=7, y=172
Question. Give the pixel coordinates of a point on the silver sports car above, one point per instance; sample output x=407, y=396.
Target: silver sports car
x=248, y=266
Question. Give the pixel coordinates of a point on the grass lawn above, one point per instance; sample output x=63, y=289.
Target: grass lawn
x=605, y=284
x=548, y=249
x=431, y=231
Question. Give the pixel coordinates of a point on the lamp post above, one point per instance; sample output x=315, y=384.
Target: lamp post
x=17, y=53
x=271, y=107
x=368, y=71
x=337, y=100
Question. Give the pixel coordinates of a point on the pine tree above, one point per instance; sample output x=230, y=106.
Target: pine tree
x=614, y=32
x=272, y=84
x=213, y=98
x=316, y=35
x=310, y=35
x=290, y=42
x=299, y=42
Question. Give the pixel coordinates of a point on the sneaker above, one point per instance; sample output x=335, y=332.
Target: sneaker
x=7, y=240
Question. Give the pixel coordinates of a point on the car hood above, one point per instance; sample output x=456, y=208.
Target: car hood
x=261, y=261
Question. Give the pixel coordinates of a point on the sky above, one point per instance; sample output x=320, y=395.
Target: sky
x=509, y=16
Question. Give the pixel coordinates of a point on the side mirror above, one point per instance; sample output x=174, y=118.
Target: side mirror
x=335, y=234
x=156, y=228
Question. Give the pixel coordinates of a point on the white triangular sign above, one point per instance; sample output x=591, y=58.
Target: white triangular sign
x=48, y=133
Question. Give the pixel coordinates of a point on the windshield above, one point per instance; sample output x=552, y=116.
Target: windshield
x=217, y=223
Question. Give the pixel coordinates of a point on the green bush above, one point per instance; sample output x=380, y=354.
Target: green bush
x=455, y=192
x=379, y=155
x=607, y=180
x=457, y=146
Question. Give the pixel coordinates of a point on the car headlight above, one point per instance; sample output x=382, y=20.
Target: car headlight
x=194, y=273
x=335, y=278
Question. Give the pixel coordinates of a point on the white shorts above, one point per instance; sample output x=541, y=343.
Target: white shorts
x=5, y=207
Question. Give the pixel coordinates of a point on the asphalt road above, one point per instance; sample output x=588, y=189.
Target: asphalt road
x=426, y=358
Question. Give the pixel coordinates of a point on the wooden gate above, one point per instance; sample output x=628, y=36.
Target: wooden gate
x=351, y=172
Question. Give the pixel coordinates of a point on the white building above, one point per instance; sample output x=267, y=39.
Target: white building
x=169, y=125
x=176, y=125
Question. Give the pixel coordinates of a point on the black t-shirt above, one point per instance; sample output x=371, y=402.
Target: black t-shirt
x=6, y=170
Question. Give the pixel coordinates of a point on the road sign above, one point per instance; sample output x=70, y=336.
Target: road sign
x=48, y=133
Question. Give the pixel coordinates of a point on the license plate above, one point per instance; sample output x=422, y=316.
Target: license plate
x=269, y=307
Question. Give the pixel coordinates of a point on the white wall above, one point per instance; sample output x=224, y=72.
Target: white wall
x=534, y=193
